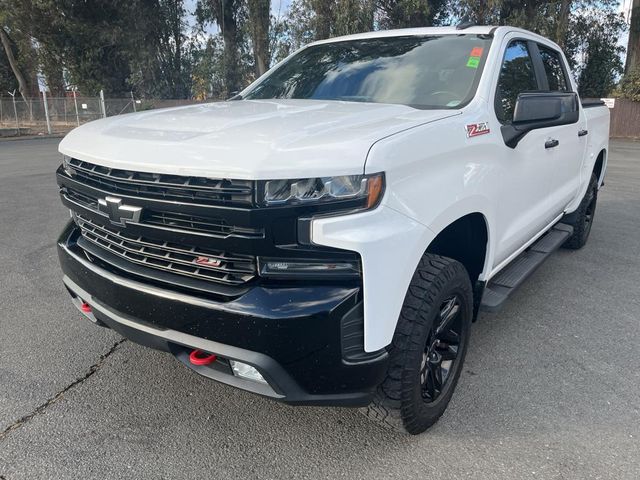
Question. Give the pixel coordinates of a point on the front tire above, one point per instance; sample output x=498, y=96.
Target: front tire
x=582, y=219
x=428, y=347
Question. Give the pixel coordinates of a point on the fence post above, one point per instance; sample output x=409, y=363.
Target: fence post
x=104, y=110
x=75, y=102
x=15, y=111
x=133, y=102
x=46, y=111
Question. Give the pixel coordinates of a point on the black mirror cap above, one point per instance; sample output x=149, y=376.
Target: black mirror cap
x=535, y=110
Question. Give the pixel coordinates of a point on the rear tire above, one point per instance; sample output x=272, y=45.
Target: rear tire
x=582, y=219
x=428, y=347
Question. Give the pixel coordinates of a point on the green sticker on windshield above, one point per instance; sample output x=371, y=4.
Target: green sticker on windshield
x=473, y=62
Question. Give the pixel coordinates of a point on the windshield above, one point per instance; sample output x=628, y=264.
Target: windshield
x=423, y=72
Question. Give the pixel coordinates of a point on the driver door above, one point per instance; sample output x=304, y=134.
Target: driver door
x=528, y=204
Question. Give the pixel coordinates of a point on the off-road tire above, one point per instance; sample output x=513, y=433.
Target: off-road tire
x=582, y=219
x=399, y=401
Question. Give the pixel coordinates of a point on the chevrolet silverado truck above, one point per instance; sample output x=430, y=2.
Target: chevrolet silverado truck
x=328, y=235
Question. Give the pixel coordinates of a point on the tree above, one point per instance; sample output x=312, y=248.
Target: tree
x=310, y=20
x=259, y=20
x=324, y=17
x=228, y=15
x=159, y=56
x=594, y=38
x=299, y=23
x=410, y=13
x=563, y=23
x=353, y=16
x=13, y=63
x=633, y=48
x=207, y=76
x=8, y=81
x=630, y=85
x=18, y=49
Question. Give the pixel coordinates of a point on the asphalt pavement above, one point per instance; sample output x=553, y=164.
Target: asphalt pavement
x=550, y=388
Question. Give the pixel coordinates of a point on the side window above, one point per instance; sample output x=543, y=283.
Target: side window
x=517, y=75
x=553, y=69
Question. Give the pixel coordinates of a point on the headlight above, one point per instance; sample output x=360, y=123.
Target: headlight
x=66, y=166
x=367, y=188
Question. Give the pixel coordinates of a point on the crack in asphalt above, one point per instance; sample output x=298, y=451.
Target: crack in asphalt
x=43, y=407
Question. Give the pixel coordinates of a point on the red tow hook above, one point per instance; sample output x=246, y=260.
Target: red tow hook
x=199, y=357
x=85, y=307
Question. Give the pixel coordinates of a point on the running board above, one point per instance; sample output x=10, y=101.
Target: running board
x=513, y=275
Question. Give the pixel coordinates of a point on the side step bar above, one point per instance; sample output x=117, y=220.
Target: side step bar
x=513, y=275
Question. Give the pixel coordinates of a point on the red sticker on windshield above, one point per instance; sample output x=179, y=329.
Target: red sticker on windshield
x=476, y=52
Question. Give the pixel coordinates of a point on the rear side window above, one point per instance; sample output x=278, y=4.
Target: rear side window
x=553, y=69
x=517, y=75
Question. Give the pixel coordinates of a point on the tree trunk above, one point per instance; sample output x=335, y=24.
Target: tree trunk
x=633, y=48
x=231, y=60
x=563, y=22
x=225, y=13
x=259, y=18
x=176, y=32
x=22, y=83
x=324, y=17
x=482, y=12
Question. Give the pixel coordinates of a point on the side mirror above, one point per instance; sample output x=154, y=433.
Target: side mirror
x=540, y=110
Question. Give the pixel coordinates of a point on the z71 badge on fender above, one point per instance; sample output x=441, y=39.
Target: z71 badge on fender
x=477, y=129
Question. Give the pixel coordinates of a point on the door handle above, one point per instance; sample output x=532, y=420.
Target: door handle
x=551, y=143
x=582, y=133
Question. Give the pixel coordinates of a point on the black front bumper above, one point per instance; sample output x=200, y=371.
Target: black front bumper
x=300, y=338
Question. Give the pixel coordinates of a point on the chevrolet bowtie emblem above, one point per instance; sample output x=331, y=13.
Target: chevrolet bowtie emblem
x=118, y=213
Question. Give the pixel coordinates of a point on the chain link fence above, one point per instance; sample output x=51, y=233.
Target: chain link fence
x=53, y=115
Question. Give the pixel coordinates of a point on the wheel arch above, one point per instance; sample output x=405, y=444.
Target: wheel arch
x=474, y=212
x=466, y=240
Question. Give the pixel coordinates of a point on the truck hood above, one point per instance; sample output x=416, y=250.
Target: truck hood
x=247, y=139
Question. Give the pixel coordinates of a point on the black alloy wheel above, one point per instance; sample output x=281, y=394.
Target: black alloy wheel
x=441, y=350
x=428, y=348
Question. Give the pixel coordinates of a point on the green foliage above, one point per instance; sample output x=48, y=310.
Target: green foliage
x=115, y=45
x=630, y=85
x=405, y=13
x=593, y=40
x=148, y=46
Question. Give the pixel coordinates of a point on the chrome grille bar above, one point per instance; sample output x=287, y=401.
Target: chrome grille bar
x=178, y=259
x=174, y=220
x=171, y=187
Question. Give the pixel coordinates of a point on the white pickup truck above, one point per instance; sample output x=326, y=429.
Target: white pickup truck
x=328, y=235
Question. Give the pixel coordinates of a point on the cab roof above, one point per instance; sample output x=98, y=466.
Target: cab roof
x=422, y=31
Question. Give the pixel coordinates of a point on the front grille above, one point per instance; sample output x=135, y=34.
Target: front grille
x=195, y=262
x=187, y=189
x=178, y=221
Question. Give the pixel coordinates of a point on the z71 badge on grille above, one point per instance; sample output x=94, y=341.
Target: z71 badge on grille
x=477, y=129
x=207, y=261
